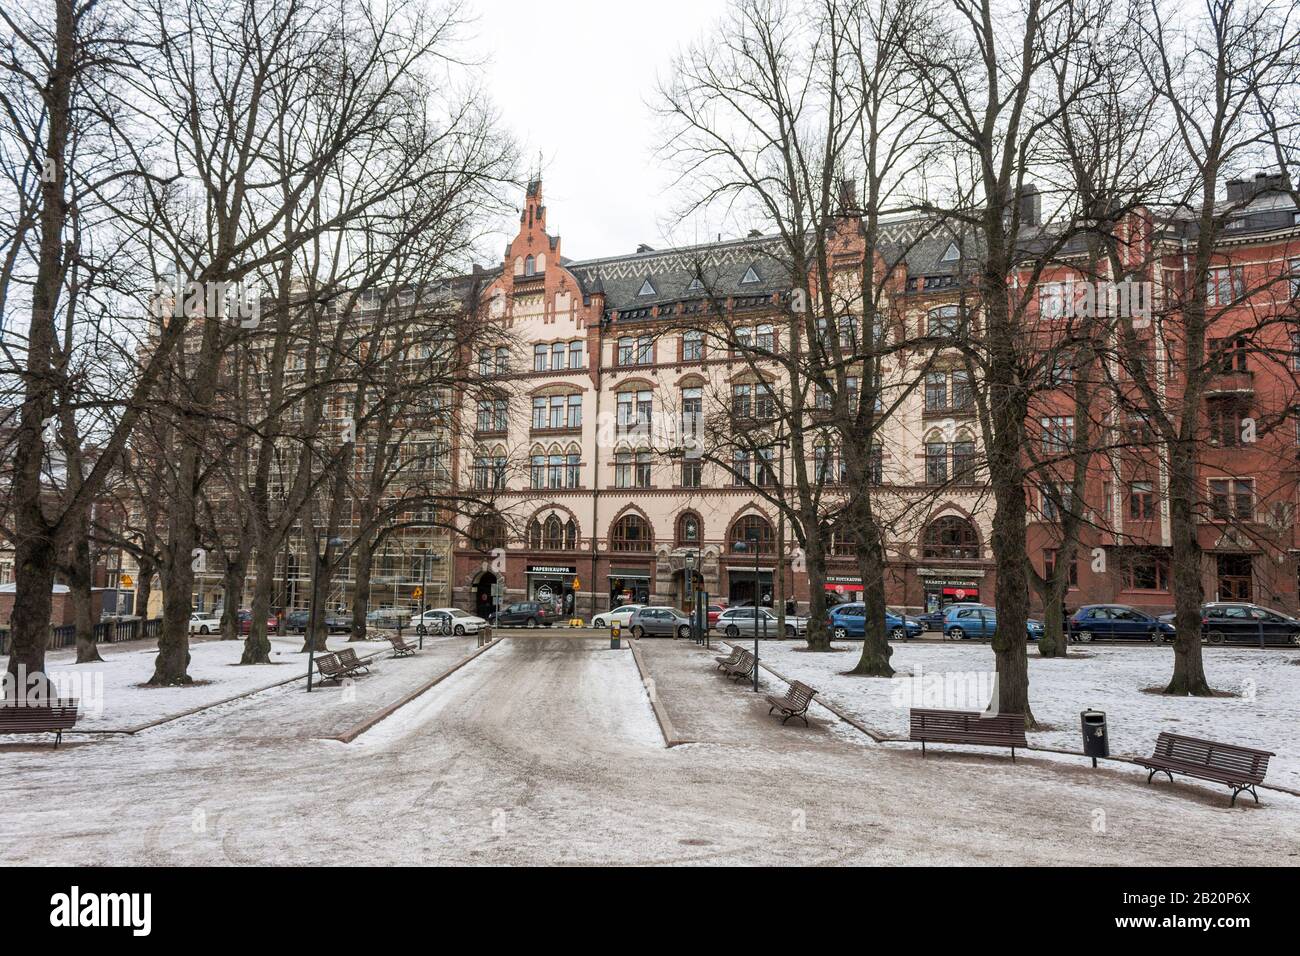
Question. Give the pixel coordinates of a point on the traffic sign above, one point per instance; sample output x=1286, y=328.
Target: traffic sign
x=126, y=581
x=417, y=592
x=576, y=584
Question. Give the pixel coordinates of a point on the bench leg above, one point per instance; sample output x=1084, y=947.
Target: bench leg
x=1240, y=790
x=1013, y=754
x=922, y=748
x=58, y=736
x=1158, y=770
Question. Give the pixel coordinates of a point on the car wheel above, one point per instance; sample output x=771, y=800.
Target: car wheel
x=684, y=631
x=956, y=634
x=598, y=622
x=1215, y=637
x=1295, y=640
x=460, y=629
x=840, y=634
x=638, y=631
x=898, y=634
x=790, y=631
x=732, y=631
x=1154, y=637
x=531, y=622
x=203, y=629
x=1085, y=637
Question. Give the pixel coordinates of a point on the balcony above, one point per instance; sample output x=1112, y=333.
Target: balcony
x=1227, y=384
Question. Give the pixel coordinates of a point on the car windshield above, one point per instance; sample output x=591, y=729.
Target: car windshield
x=457, y=612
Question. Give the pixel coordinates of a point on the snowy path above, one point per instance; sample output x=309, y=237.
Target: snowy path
x=544, y=750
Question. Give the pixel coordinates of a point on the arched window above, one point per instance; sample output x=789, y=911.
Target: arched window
x=951, y=538
x=553, y=534
x=535, y=534
x=839, y=541
x=688, y=529
x=752, y=528
x=631, y=533
x=530, y=266
x=571, y=535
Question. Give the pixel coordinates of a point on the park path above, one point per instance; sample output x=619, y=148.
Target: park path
x=545, y=750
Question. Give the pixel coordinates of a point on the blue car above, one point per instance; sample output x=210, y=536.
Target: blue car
x=979, y=621
x=846, y=621
x=1118, y=622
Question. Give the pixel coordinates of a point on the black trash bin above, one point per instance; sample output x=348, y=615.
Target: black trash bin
x=1096, y=743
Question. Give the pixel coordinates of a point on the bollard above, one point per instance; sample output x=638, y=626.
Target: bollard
x=615, y=635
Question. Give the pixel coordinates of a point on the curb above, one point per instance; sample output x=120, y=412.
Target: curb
x=350, y=735
x=661, y=712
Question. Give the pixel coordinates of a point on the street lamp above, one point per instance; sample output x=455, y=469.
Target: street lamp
x=751, y=542
x=318, y=558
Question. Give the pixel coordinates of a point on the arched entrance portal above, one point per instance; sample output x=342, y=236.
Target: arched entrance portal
x=683, y=592
x=484, y=605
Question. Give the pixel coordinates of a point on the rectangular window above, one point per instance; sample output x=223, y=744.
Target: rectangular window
x=1229, y=355
x=623, y=470
x=643, y=469
x=1232, y=498
x=692, y=412
x=766, y=339
x=963, y=462
x=539, y=413
x=644, y=350
x=1050, y=556
x=539, y=358
x=1058, y=434
x=537, y=471
x=1225, y=286
x=575, y=354
x=575, y=411
x=1141, y=501
x=936, y=463
x=740, y=467
x=692, y=472
x=558, y=403
x=742, y=401
x=1225, y=416
x=876, y=465
x=1146, y=572
x=492, y=415
x=558, y=351
x=572, y=467
x=963, y=398
x=936, y=391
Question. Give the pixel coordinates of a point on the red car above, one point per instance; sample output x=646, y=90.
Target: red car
x=714, y=611
x=246, y=622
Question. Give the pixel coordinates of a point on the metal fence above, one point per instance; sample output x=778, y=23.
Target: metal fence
x=106, y=632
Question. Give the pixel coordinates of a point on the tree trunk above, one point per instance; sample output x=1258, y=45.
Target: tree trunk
x=257, y=646
x=144, y=589
x=876, y=649
x=79, y=590
x=361, y=593
x=316, y=632
x=819, y=637
x=1185, y=560
x=172, y=664
x=232, y=585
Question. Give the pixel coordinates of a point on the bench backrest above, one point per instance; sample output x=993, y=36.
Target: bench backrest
x=397, y=641
x=348, y=656
x=968, y=722
x=1220, y=756
x=329, y=664
x=54, y=710
x=800, y=693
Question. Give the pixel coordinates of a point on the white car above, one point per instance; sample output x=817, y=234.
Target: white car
x=203, y=623
x=621, y=615
x=448, y=620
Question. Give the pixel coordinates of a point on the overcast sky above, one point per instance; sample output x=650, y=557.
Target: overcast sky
x=573, y=79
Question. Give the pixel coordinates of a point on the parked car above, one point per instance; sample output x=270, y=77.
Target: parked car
x=525, y=614
x=910, y=621
x=296, y=621
x=1117, y=622
x=934, y=620
x=622, y=614
x=846, y=621
x=659, y=622
x=387, y=616
x=203, y=623
x=448, y=620
x=714, y=611
x=1233, y=622
x=735, y=621
x=245, y=618
x=965, y=621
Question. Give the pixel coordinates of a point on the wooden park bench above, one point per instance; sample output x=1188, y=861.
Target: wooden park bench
x=733, y=658
x=1240, y=768
x=51, y=716
x=331, y=668
x=351, y=663
x=794, y=703
x=743, y=668
x=968, y=727
x=400, y=647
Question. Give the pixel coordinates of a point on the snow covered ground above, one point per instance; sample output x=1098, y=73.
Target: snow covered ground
x=544, y=750
x=112, y=694
x=1264, y=711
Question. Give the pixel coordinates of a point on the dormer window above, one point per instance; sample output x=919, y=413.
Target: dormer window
x=751, y=276
x=647, y=287
x=696, y=285
x=952, y=254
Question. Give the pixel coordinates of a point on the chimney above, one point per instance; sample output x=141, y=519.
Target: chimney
x=755, y=234
x=1242, y=191
x=848, y=197
x=644, y=248
x=1031, y=206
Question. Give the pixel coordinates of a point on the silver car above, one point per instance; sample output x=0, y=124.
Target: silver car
x=659, y=622
x=738, y=621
